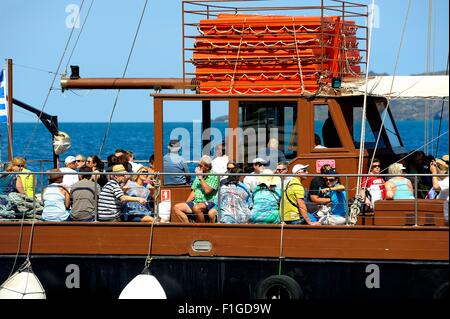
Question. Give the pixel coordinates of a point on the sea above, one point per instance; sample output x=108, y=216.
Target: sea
x=34, y=142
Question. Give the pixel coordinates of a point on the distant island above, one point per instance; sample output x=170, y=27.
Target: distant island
x=222, y=118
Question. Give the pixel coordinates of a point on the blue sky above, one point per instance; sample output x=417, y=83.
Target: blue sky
x=34, y=34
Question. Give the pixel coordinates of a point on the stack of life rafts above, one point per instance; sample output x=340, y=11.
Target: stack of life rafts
x=255, y=54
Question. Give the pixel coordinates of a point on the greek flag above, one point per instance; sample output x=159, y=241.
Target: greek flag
x=3, y=111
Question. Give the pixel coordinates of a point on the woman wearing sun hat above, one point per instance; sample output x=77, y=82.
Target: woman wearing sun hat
x=398, y=187
x=266, y=199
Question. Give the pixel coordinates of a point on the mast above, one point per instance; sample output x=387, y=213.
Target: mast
x=10, y=109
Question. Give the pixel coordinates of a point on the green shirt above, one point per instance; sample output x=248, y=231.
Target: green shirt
x=200, y=195
x=294, y=191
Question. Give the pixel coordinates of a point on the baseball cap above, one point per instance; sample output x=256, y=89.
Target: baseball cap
x=259, y=160
x=70, y=159
x=299, y=167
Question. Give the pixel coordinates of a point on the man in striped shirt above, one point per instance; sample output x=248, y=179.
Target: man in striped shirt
x=112, y=196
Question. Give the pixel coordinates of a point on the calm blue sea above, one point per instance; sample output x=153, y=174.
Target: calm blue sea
x=138, y=137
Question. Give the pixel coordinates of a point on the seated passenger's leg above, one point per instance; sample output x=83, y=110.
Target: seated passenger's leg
x=199, y=211
x=212, y=213
x=179, y=213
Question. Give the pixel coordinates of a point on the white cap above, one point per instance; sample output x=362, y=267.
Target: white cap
x=259, y=160
x=70, y=159
x=298, y=167
x=206, y=159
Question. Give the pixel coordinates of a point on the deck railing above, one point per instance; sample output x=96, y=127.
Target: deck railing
x=416, y=212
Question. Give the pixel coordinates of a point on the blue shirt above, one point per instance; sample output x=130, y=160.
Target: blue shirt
x=174, y=163
x=338, y=202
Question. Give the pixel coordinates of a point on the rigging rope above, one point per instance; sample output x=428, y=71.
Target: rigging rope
x=363, y=116
x=298, y=60
x=157, y=185
x=25, y=151
x=390, y=90
x=442, y=112
x=36, y=69
x=123, y=75
x=427, y=111
x=237, y=59
x=79, y=34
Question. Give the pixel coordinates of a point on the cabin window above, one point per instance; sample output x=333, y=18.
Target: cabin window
x=391, y=132
x=262, y=121
x=324, y=127
x=371, y=127
x=194, y=141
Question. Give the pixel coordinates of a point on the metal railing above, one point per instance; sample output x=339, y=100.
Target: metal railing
x=348, y=179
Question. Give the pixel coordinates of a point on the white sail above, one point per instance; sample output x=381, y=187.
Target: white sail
x=403, y=87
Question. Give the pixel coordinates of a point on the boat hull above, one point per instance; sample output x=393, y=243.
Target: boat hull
x=233, y=261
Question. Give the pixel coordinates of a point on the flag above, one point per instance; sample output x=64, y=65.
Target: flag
x=3, y=110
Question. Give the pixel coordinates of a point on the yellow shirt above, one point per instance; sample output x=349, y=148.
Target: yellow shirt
x=27, y=183
x=294, y=190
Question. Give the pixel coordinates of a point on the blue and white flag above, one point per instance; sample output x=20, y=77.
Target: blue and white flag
x=3, y=110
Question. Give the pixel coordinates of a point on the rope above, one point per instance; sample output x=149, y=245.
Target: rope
x=364, y=110
x=442, y=112
x=123, y=75
x=25, y=151
x=36, y=69
x=390, y=90
x=302, y=84
x=280, y=258
x=79, y=34
x=18, y=245
x=237, y=59
x=427, y=117
x=157, y=184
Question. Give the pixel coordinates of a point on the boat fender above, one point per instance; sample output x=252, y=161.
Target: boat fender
x=23, y=284
x=61, y=142
x=143, y=286
x=278, y=287
x=442, y=292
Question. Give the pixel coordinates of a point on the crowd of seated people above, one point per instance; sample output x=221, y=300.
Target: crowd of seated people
x=77, y=192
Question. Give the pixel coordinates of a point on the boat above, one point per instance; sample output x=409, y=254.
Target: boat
x=400, y=250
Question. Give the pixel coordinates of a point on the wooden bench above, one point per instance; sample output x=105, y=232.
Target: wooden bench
x=402, y=212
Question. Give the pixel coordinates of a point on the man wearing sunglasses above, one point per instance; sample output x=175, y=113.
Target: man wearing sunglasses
x=316, y=197
x=372, y=187
x=295, y=211
x=80, y=161
x=259, y=164
x=201, y=198
x=71, y=166
x=338, y=197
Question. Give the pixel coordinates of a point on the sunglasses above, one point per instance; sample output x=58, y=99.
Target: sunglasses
x=375, y=166
x=79, y=161
x=20, y=166
x=144, y=171
x=330, y=180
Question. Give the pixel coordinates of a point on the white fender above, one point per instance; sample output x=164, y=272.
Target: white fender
x=22, y=285
x=143, y=286
x=61, y=142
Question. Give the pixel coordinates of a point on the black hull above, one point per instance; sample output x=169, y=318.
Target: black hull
x=216, y=278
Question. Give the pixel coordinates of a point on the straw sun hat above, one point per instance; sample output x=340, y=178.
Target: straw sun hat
x=267, y=180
